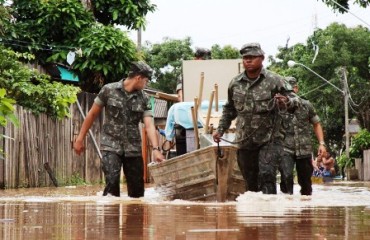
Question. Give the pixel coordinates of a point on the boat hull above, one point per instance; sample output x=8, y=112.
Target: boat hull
x=201, y=175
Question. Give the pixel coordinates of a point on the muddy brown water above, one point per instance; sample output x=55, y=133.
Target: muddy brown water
x=337, y=210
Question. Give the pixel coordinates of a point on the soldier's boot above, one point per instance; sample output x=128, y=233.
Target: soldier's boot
x=112, y=188
x=268, y=188
x=283, y=188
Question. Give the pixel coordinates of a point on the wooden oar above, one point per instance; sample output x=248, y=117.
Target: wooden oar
x=195, y=124
x=209, y=111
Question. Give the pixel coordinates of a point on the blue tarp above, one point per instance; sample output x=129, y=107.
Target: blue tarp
x=67, y=75
x=180, y=113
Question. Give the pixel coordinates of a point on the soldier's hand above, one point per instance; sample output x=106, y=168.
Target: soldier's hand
x=158, y=156
x=281, y=100
x=79, y=147
x=217, y=137
x=322, y=150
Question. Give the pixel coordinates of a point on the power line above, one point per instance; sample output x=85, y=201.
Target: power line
x=347, y=10
x=37, y=46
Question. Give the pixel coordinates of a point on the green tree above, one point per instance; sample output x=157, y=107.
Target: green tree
x=51, y=29
x=127, y=13
x=342, y=5
x=325, y=52
x=166, y=60
x=106, y=54
x=226, y=52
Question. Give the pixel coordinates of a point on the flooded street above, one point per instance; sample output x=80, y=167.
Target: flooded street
x=337, y=210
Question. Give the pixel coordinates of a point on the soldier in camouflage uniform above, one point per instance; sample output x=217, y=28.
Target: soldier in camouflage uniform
x=200, y=54
x=297, y=144
x=251, y=98
x=125, y=105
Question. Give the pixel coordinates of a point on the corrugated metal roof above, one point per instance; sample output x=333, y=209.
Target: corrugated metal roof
x=160, y=108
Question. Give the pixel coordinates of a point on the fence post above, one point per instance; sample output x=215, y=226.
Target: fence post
x=366, y=165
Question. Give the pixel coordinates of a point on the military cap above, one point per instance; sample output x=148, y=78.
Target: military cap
x=292, y=81
x=251, y=49
x=142, y=68
x=202, y=53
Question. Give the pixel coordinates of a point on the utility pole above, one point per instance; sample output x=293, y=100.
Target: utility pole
x=345, y=93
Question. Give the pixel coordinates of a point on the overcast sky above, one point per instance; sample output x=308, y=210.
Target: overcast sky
x=236, y=22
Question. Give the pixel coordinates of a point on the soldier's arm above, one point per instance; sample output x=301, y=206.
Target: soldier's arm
x=229, y=113
x=317, y=128
x=152, y=136
x=78, y=145
x=320, y=137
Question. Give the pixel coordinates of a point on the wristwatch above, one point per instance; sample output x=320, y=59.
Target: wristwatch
x=322, y=143
x=156, y=148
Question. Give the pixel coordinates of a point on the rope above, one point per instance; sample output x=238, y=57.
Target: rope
x=172, y=144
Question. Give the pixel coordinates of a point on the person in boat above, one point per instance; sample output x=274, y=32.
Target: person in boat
x=298, y=146
x=125, y=104
x=254, y=99
x=179, y=119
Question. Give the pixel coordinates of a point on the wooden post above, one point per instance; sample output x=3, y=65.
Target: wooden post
x=366, y=165
x=209, y=111
x=216, y=97
x=167, y=97
x=195, y=124
x=196, y=107
x=201, y=88
x=51, y=174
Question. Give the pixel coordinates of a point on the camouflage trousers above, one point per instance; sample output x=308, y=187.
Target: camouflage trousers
x=259, y=166
x=304, y=172
x=133, y=169
x=286, y=172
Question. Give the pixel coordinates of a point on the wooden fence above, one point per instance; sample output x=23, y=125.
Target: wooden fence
x=41, y=140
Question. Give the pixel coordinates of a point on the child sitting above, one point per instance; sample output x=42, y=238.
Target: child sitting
x=324, y=166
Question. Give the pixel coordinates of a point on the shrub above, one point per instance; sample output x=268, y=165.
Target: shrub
x=360, y=142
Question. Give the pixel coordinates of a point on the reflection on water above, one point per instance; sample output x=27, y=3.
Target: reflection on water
x=339, y=210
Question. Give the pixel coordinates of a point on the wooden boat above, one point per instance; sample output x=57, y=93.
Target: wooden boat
x=210, y=173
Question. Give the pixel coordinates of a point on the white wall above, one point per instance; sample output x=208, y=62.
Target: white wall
x=216, y=71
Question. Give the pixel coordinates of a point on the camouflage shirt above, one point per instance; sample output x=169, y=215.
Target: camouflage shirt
x=298, y=127
x=123, y=112
x=249, y=101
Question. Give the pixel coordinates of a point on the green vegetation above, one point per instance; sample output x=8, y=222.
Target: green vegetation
x=345, y=4
x=7, y=109
x=345, y=162
x=360, y=142
x=76, y=180
x=32, y=90
x=51, y=29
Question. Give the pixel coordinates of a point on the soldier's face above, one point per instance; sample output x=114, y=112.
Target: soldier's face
x=252, y=63
x=296, y=89
x=141, y=82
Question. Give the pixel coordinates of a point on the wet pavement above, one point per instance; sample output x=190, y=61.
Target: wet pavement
x=337, y=210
